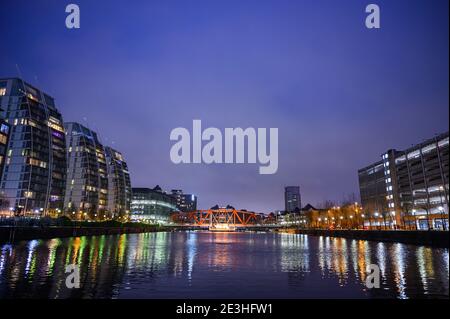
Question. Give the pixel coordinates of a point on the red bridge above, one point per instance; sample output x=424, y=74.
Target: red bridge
x=211, y=217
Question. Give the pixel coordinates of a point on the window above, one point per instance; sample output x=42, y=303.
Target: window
x=4, y=129
x=2, y=91
x=28, y=194
x=36, y=162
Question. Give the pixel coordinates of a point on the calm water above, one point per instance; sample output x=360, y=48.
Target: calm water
x=220, y=265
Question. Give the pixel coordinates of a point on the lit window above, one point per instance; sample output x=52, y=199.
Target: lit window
x=28, y=194
x=2, y=91
x=36, y=162
x=4, y=129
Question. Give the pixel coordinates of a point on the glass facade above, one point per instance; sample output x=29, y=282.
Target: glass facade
x=33, y=176
x=292, y=199
x=185, y=202
x=87, y=176
x=152, y=206
x=119, y=185
x=4, y=138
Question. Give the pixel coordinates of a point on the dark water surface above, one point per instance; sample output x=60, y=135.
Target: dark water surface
x=220, y=265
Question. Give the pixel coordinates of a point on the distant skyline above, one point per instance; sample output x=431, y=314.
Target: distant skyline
x=339, y=94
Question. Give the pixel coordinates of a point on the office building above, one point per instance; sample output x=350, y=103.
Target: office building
x=185, y=202
x=33, y=176
x=292, y=199
x=87, y=175
x=152, y=205
x=409, y=188
x=119, y=185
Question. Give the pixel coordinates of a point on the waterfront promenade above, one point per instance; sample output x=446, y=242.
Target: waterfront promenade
x=413, y=237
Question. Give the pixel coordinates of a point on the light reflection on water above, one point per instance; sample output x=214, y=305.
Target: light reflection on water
x=220, y=265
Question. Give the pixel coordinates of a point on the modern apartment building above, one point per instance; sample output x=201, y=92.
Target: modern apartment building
x=152, y=205
x=292, y=199
x=119, y=185
x=4, y=139
x=33, y=174
x=409, y=188
x=87, y=174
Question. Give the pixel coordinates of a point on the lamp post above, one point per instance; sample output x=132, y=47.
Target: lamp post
x=441, y=208
x=376, y=218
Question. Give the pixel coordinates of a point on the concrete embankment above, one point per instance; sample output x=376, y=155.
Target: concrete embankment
x=425, y=238
x=14, y=234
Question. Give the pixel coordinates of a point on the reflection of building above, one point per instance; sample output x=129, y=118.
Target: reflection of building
x=33, y=177
x=152, y=205
x=410, y=186
x=292, y=199
x=185, y=202
x=87, y=181
x=119, y=186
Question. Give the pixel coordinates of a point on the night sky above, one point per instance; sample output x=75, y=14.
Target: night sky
x=339, y=94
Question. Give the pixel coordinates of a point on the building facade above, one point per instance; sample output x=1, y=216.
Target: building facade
x=409, y=188
x=152, y=205
x=4, y=139
x=292, y=199
x=119, y=185
x=185, y=202
x=33, y=176
x=87, y=175
x=189, y=203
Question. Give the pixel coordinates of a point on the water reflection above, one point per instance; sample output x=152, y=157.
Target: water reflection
x=220, y=265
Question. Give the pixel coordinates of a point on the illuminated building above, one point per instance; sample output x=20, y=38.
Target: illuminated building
x=87, y=174
x=33, y=176
x=4, y=138
x=409, y=187
x=185, y=202
x=292, y=199
x=152, y=205
x=119, y=186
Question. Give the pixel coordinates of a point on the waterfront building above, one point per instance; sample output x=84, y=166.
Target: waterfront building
x=178, y=195
x=33, y=174
x=190, y=203
x=4, y=138
x=292, y=199
x=409, y=188
x=87, y=174
x=119, y=185
x=152, y=205
x=185, y=202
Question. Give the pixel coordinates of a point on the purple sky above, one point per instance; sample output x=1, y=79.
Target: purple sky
x=339, y=93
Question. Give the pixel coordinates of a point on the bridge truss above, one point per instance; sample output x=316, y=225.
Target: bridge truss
x=217, y=216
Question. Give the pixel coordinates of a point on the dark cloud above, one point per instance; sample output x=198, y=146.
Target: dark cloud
x=339, y=93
